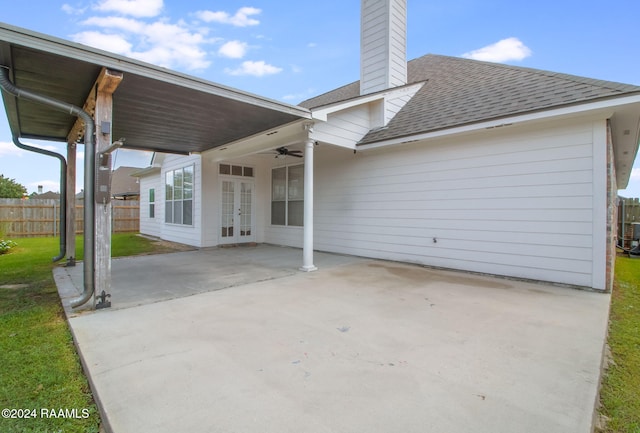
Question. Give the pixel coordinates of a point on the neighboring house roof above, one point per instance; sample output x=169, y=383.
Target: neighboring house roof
x=123, y=184
x=460, y=91
x=47, y=195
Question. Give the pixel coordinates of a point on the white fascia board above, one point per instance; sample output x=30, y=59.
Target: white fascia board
x=605, y=107
x=322, y=113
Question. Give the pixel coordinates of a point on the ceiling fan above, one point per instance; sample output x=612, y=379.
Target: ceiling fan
x=283, y=151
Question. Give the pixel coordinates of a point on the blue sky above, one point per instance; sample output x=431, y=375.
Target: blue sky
x=290, y=51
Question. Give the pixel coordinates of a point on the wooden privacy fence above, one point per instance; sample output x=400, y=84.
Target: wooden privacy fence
x=628, y=220
x=34, y=217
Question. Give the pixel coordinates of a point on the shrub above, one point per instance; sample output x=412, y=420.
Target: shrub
x=5, y=246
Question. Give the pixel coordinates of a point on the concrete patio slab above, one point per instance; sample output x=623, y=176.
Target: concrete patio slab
x=153, y=278
x=364, y=346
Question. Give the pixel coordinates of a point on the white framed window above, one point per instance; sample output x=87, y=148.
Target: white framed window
x=179, y=196
x=152, y=202
x=287, y=196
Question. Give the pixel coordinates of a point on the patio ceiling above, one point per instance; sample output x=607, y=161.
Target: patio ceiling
x=153, y=108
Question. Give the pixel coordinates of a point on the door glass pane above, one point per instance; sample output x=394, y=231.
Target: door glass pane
x=246, y=192
x=228, y=195
x=236, y=170
x=225, y=169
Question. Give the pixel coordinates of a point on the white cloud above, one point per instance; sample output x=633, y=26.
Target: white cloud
x=240, y=19
x=7, y=148
x=119, y=23
x=136, y=8
x=257, y=69
x=161, y=43
x=312, y=45
x=233, y=49
x=635, y=174
x=502, y=51
x=70, y=10
x=47, y=185
x=112, y=43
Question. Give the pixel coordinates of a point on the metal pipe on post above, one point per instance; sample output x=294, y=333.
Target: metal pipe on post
x=89, y=176
x=63, y=189
x=70, y=204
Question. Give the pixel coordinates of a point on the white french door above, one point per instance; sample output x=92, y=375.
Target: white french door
x=237, y=211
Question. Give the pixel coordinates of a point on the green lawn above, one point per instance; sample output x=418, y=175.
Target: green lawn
x=620, y=394
x=39, y=367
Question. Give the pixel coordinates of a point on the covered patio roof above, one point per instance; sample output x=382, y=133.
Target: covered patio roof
x=153, y=108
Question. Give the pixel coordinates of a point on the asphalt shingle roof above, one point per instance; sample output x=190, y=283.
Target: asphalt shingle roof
x=461, y=91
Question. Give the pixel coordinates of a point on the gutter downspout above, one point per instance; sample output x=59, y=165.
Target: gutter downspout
x=63, y=192
x=89, y=177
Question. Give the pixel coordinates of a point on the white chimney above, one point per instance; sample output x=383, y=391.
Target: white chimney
x=383, y=45
x=40, y=189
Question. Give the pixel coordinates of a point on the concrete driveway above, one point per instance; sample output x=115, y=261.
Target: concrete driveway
x=358, y=346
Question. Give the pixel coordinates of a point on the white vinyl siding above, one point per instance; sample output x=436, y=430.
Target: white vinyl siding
x=148, y=225
x=516, y=202
x=346, y=127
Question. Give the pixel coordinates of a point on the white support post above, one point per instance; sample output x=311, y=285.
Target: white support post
x=307, y=249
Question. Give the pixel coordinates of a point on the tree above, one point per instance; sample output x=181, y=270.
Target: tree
x=9, y=188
